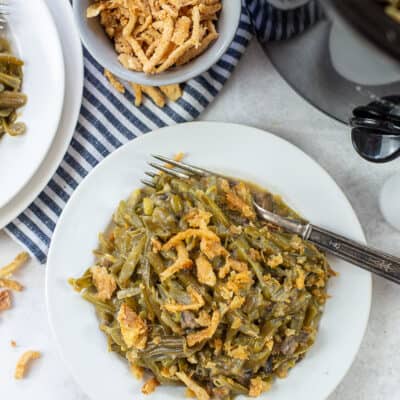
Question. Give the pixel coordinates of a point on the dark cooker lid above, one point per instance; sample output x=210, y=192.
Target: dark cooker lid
x=369, y=18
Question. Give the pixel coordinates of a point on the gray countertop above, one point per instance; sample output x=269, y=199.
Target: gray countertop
x=257, y=96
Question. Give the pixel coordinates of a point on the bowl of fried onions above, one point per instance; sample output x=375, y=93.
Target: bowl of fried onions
x=157, y=42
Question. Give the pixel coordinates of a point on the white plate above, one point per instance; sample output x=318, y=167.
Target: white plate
x=72, y=49
x=236, y=150
x=36, y=39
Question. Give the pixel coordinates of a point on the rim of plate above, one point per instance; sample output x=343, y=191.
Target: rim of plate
x=210, y=126
x=61, y=12
x=58, y=101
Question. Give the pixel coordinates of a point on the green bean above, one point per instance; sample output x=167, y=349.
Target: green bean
x=170, y=323
x=241, y=248
x=187, y=280
x=311, y=315
x=176, y=204
x=169, y=346
x=249, y=329
x=6, y=58
x=115, y=268
x=115, y=334
x=180, y=185
x=300, y=303
x=282, y=241
x=16, y=129
x=6, y=112
x=9, y=80
x=12, y=99
x=156, y=262
x=284, y=366
x=84, y=282
x=148, y=206
x=152, y=305
x=258, y=359
x=297, y=320
x=153, y=367
x=130, y=292
x=100, y=305
x=212, y=206
x=261, y=241
x=131, y=262
x=234, y=387
x=271, y=326
x=133, y=199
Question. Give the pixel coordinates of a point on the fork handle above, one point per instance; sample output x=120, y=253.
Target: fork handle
x=375, y=261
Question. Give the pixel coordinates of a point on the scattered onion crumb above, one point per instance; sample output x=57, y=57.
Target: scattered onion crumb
x=22, y=364
x=258, y=386
x=137, y=371
x=11, y=284
x=118, y=86
x=189, y=393
x=14, y=265
x=5, y=300
x=150, y=386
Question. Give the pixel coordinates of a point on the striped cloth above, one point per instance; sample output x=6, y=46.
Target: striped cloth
x=109, y=119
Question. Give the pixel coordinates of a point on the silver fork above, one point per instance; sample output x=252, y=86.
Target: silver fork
x=372, y=260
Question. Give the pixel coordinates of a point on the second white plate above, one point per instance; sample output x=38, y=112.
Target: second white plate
x=35, y=37
x=235, y=150
x=62, y=14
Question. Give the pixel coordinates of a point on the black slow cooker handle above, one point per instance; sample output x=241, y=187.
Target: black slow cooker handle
x=376, y=130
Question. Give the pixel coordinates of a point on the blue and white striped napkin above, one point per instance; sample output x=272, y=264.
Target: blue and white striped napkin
x=109, y=119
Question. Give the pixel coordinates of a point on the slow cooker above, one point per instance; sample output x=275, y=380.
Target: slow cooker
x=350, y=57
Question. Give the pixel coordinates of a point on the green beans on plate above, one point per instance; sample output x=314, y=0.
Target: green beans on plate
x=11, y=98
x=193, y=288
x=392, y=8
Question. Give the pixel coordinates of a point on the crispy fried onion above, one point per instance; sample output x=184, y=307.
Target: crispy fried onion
x=197, y=302
x=5, y=300
x=133, y=328
x=206, y=333
x=182, y=261
x=157, y=35
x=104, y=282
x=150, y=386
x=23, y=362
x=11, y=284
x=14, y=265
x=258, y=386
x=205, y=272
x=236, y=199
x=200, y=393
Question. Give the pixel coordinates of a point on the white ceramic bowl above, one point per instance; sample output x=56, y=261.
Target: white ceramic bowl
x=102, y=49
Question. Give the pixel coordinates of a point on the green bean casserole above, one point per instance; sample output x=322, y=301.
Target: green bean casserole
x=191, y=287
x=392, y=8
x=11, y=98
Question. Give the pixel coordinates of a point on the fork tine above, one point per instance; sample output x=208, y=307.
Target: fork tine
x=169, y=171
x=148, y=183
x=186, y=167
x=150, y=174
